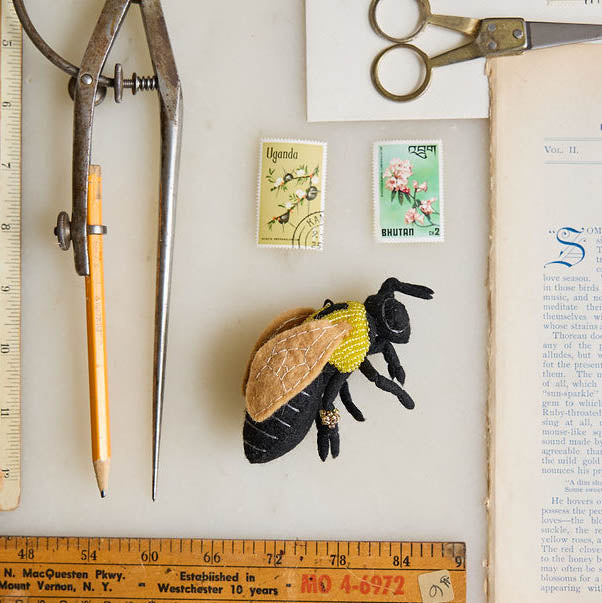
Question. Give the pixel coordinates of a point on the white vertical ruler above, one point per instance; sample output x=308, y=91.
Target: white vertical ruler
x=10, y=256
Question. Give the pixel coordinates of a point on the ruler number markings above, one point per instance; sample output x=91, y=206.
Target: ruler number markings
x=10, y=250
x=91, y=569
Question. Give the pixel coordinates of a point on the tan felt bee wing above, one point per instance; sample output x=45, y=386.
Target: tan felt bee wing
x=286, y=364
x=282, y=322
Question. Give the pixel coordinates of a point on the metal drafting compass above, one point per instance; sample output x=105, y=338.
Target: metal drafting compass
x=88, y=87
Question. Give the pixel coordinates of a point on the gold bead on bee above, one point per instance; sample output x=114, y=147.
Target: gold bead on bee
x=330, y=418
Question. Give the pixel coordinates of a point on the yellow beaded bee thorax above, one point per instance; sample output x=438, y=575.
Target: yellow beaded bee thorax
x=351, y=352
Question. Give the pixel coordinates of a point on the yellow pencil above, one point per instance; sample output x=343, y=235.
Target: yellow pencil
x=97, y=344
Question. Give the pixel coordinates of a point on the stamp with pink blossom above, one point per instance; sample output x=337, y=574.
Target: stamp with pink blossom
x=408, y=191
x=290, y=204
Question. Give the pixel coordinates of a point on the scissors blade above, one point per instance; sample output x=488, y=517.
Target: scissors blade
x=543, y=35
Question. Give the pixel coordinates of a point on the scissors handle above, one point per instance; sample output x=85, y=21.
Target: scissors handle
x=422, y=85
x=465, y=25
x=493, y=37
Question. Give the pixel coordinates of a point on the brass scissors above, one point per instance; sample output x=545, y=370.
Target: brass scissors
x=488, y=37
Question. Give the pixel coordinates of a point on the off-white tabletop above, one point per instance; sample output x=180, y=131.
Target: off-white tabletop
x=401, y=475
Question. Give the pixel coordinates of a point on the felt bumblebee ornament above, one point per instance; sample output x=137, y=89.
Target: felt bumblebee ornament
x=301, y=363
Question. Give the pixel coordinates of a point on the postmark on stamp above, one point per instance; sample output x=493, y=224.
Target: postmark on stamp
x=290, y=194
x=408, y=191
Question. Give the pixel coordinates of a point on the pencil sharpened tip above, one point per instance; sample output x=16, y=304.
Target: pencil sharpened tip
x=101, y=469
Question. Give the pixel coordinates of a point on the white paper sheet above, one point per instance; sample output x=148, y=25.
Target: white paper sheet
x=341, y=46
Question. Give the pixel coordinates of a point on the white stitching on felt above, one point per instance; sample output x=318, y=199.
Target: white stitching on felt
x=281, y=421
x=260, y=430
x=284, y=357
x=305, y=350
x=300, y=379
x=256, y=447
x=289, y=368
x=300, y=318
x=293, y=407
x=320, y=328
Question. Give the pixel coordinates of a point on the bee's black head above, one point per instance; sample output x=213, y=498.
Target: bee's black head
x=390, y=315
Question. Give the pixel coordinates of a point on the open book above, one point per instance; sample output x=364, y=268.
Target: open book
x=546, y=342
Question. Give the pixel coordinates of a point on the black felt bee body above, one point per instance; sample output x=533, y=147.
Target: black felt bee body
x=301, y=364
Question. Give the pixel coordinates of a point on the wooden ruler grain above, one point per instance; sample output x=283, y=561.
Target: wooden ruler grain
x=48, y=569
x=10, y=256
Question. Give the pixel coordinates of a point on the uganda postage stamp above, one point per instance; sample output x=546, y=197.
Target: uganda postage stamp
x=408, y=191
x=290, y=194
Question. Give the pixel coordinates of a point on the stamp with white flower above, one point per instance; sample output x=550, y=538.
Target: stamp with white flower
x=290, y=194
x=408, y=191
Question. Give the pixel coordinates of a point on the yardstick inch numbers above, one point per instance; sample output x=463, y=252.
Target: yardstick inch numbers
x=92, y=570
x=10, y=257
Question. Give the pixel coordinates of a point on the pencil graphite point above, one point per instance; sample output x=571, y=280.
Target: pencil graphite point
x=101, y=469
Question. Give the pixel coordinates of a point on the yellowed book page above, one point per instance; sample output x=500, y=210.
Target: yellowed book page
x=546, y=270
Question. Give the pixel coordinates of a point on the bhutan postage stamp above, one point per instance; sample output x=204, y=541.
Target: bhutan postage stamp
x=408, y=191
x=290, y=194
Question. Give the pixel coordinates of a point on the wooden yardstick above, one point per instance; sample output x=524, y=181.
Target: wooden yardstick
x=10, y=256
x=44, y=569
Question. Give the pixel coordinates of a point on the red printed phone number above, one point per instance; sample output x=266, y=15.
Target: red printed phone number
x=377, y=585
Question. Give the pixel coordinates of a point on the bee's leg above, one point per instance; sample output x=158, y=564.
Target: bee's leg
x=386, y=384
x=332, y=389
x=392, y=359
x=352, y=409
x=335, y=442
x=328, y=437
x=324, y=439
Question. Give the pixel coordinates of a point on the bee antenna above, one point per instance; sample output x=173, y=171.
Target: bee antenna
x=392, y=285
